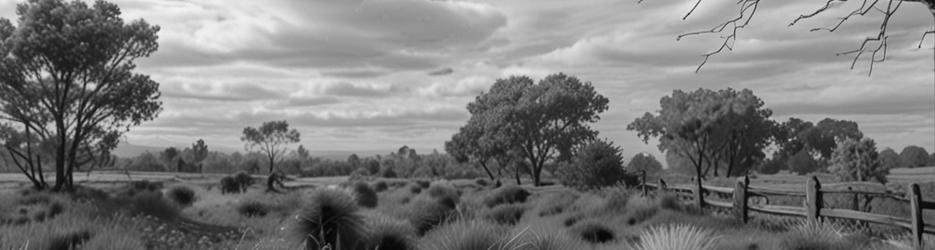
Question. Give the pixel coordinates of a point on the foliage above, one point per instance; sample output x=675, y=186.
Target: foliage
x=818, y=235
x=386, y=233
x=597, y=164
x=253, y=209
x=593, y=232
x=68, y=80
x=772, y=165
x=676, y=237
x=425, y=214
x=517, y=116
x=710, y=129
x=152, y=203
x=445, y=194
x=270, y=138
x=508, y=194
x=182, y=195
x=507, y=214
x=856, y=160
x=364, y=194
x=802, y=163
x=380, y=186
x=914, y=156
x=469, y=235
x=889, y=159
x=331, y=219
x=644, y=162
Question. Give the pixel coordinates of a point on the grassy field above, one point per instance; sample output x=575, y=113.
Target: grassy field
x=185, y=211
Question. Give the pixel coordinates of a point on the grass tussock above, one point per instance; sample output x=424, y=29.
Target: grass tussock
x=253, y=209
x=508, y=214
x=331, y=219
x=365, y=195
x=471, y=235
x=677, y=237
x=425, y=214
x=391, y=234
x=507, y=195
x=593, y=232
x=821, y=235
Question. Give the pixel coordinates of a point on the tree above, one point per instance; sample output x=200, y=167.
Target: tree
x=597, y=164
x=644, y=162
x=302, y=152
x=889, y=159
x=168, y=155
x=914, y=156
x=536, y=123
x=875, y=45
x=796, y=135
x=802, y=163
x=855, y=160
x=199, y=153
x=709, y=128
x=271, y=139
x=472, y=144
x=67, y=77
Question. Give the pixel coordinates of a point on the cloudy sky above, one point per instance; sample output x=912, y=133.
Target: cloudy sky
x=373, y=75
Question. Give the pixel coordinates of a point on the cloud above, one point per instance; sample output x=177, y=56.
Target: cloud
x=441, y=72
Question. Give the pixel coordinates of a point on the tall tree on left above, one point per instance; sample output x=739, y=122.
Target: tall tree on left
x=67, y=81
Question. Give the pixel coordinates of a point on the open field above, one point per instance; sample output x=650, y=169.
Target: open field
x=460, y=214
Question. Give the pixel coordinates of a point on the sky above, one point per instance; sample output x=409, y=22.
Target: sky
x=374, y=75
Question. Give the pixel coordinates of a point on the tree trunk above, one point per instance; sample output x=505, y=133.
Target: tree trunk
x=271, y=161
x=516, y=174
x=484, y=165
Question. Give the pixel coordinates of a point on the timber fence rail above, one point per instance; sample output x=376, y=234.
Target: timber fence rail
x=812, y=209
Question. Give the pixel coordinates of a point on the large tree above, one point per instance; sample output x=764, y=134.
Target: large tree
x=889, y=159
x=914, y=156
x=709, y=128
x=67, y=78
x=644, y=162
x=199, y=153
x=270, y=139
x=536, y=122
x=857, y=160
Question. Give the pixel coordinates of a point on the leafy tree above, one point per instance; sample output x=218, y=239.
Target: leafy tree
x=710, y=128
x=802, y=163
x=472, y=144
x=271, y=139
x=597, y=164
x=67, y=77
x=537, y=123
x=302, y=152
x=168, y=155
x=644, y=162
x=914, y=156
x=796, y=135
x=855, y=160
x=889, y=159
x=199, y=153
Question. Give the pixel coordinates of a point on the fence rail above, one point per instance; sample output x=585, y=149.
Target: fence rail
x=812, y=208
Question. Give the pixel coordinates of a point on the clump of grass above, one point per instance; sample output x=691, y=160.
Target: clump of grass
x=253, y=209
x=617, y=197
x=540, y=238
x=386, y=233
x=182, y=195
x=364, y=194
x=593, y=232
x=331, y=219
x=69, y=240
x=415, y=189
x=380, y=186
x=677, y=237
x=507, y=214
x=506, y=195
x=820, y=235
x=555, y=204
x=471, y=235
x=152, y=203
x=425, y=214
x=445, y=194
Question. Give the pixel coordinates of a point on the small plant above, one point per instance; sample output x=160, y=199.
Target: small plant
x=182, y=195
x=507, y=214
x=507, y=195
x=593, y=232
x=364, y=194
x=676, y=237
x=253, y=209
x=331, y=219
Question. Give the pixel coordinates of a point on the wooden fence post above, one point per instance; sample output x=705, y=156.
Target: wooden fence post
x=740, y=198
x=813, y=198
x=915, y=203
x=644, y=183
x=662, y=186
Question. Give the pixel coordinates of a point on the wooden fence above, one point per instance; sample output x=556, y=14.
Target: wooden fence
x=812, y=208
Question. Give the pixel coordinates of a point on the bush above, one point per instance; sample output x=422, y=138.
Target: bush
x=331, y=219
x=182, y=195
x=482, y=182
x=507, y=195
x=594, y=232
x=391, y=234
x=151, y=203
x=506, y=214
x=415, y=189
x=595, y=165
x=445, y=194
x=364, y=194
x=423, y=183
x=380, y=186
x=229, y=185
x=469, y=235
x=617, y=198
x=145, y=185
x=425, y=214
x=388, y=173
x=677, y=237
x=253, y=209
x=244, y=180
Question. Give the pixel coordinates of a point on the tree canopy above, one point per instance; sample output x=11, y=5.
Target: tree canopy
x=644, y=162
x=271, y=139
x=914, y=156
x=67, y=80
x=536, y=123
x=857, y=160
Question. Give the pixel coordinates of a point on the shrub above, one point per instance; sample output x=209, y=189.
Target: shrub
x=145, y=185
x=469, y=235
x=331, y=219
x=253, y=209
x=593, y=232
x=482, y=182
x=244, y=180
x=423, y=183
x=674, y=237
x=69, y=241
x=506, y=214
x=389, y=234
x=380, y=186
x=425, y=214
x=415, y=189
x=182, y=195
x=151, y=203
x=445, y=194
x=364, y=194
x=229, y=185
x=617, y=198
x=507, y=195
x=595, y=165
x=388, y=173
